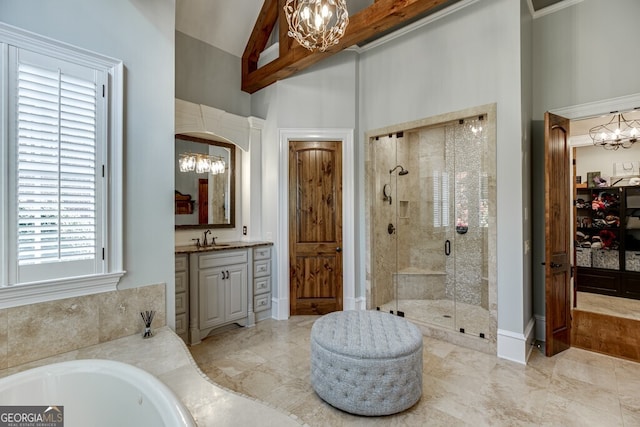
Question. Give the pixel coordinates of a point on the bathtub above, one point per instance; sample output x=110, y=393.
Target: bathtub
x=97, y=393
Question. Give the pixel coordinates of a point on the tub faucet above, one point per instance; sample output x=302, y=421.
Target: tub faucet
x=204, y=241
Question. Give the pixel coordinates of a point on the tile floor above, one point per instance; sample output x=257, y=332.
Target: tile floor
x=270, y=362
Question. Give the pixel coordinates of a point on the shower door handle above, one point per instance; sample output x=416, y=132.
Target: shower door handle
x=447, y=247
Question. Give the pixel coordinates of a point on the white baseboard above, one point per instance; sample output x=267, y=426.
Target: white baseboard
x=359, y=303
x=516, y=346
x=280, y=308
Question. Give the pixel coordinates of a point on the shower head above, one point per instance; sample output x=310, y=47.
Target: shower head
x=403, y=171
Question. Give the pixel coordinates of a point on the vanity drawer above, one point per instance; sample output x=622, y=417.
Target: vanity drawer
x=261, y=302
x=181, y=302
x=181, y=263
x=262, y=268
x=261, y=253
x=261, y=285
x=182, y=280
x=181, y=323
x=222, y=258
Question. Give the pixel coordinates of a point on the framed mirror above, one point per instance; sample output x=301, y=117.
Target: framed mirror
x=205, y=183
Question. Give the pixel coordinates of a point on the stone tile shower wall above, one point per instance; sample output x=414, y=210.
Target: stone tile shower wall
x=384, y=256
x=414, y=258
x=466, y=160
x=451, y=179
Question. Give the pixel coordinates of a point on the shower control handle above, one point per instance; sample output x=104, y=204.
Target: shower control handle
x=447, y=247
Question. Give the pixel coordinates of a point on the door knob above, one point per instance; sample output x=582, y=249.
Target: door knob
x=554, y=265
x=338, y=249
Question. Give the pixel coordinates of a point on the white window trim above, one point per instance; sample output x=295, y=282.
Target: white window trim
x=31, y=293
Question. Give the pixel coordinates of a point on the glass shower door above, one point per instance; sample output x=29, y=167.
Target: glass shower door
x=384, y=242
x=429, y=225
x=469, y=234
x=423, y=218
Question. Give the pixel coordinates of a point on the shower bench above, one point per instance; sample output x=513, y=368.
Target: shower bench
x=366, y=362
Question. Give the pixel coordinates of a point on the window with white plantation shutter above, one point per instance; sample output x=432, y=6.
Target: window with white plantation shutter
x=61, y=166
x=56, y=127
x=57, y=132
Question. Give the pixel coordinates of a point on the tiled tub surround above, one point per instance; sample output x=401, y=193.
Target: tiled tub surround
x=166, y=357
x=36, y=331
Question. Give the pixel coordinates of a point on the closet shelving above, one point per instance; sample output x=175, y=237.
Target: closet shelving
x=607, y=241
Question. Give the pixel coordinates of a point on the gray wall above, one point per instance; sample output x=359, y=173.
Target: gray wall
x=141, y=34
x=526, y=44
x=467, y=59
x=210, y=76
x=584, y=53
x=320, y=98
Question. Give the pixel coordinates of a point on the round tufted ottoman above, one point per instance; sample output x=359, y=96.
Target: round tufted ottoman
x=366, y=362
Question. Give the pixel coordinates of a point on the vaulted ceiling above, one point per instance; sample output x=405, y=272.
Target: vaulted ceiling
x=245, y=28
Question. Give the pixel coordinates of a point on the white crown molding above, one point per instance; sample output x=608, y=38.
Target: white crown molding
x=415, y=25
x=550, y=9
x=598, y=108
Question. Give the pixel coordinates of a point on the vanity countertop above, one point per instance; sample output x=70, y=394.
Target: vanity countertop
x=222, y=246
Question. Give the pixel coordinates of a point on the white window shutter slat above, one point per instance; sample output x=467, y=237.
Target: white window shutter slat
x=56, y=186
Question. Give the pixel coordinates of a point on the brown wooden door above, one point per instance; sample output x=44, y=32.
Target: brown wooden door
x=315, y=226
x=203, y=201
x=557, y=235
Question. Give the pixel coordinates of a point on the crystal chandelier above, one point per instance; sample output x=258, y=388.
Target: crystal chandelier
x=316, y=24
x=201, y=163
x=618, y=132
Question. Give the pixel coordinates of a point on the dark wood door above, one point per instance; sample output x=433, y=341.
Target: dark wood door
x=557, y=235
x=315, y=227
x=203, y=201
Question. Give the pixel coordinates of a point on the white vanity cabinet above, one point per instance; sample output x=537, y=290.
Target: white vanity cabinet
x=262, y=282
x=182, y=296
x=223, y=295
x=219, y=291
x=225, y=286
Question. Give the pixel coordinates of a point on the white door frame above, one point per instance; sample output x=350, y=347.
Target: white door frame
x=281, y=304
x=583, y=111
x=597, y=108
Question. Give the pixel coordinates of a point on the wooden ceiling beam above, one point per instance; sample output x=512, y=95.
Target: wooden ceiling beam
x=260, y=35
x=370, y=22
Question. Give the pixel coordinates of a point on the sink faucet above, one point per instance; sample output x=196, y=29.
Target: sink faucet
x=204, y=241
